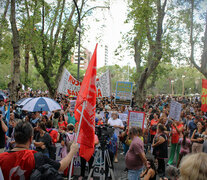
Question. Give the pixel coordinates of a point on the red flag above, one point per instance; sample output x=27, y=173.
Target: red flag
x=87, y=93
x=204, y=96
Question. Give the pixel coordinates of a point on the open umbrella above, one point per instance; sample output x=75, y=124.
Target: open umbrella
x=23, y=101
x=41, y=104
x=3, y=94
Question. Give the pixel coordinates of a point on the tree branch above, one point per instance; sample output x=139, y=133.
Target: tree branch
x=42, y=35
x=54, y=21
x=5, y=10
x=57, y=32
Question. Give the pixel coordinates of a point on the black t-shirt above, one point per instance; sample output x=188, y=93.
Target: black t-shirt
x=46, y=139
x=2, y=136
x=45, y=160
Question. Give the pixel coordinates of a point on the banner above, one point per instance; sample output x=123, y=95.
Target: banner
x=136, y=119
x=175, y=110
x=103, y=85
x=123, y=93
x=70, y=86
x=204, y=96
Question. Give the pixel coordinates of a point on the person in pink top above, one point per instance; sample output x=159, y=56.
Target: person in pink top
x=185, y=146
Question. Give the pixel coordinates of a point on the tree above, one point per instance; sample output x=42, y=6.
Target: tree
x=15, y=80
x=148, y=43
x=203, y=65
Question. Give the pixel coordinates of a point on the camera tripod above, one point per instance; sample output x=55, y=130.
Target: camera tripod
x=103, y=155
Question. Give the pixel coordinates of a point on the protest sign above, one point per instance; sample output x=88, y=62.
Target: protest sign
x=136, y=119
x=204, y=96
x=175, y=110
x=123, y=116
x=103, y=85
x=72, y=104
x=123, y=92
x=70, y=86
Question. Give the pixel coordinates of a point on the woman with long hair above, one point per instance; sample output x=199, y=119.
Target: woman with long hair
x=62, y=124
x=42, y=139
x=197, y=138
x=150, y=172
x=185, y=146
x=160, y=149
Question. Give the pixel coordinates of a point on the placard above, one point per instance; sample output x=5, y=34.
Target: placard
x=123, y=116
x=175, y=110
x=136, y=119
x=72, y=104
x=123, y=92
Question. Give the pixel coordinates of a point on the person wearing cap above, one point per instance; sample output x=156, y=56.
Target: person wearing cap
x=118, y=126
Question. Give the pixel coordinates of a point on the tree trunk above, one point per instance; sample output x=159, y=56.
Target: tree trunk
x=154, y=54
x=15, y=80
x=26, y=65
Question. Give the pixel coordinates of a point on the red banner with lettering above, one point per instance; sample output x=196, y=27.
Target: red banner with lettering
x=204, y=96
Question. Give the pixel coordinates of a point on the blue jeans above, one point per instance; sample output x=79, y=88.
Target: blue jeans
x=134, y=174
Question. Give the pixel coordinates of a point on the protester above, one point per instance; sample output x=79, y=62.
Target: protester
x=62, y=124
x=197, y=138
x=3, y=130
x=43, y=139
x=177, y=128
x=193, y=166
x=118, y=126
x=20, y=162
x=160, y=146
x=150, y=172
x=135, y=158
x=185, y=146
x=2, y=107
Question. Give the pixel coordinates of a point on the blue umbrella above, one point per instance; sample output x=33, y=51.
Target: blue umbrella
x=3, y=94
x=23, y=101
x=41, y=104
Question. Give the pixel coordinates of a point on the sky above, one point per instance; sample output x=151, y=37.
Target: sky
x=109, y=35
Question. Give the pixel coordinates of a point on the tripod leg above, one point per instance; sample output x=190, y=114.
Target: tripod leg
x=109, y=164
x=94, y=163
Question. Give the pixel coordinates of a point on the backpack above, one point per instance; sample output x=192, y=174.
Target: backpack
x=44, y=171
x=69, y=140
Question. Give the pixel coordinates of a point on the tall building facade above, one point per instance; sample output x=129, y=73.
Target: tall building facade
x=85, y=57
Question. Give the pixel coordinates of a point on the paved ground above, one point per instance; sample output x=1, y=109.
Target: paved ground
x=119, y=167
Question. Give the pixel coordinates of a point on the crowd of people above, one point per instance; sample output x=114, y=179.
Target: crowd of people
x=145, y=150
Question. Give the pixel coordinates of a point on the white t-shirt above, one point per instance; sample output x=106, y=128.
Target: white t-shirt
x=116, y=122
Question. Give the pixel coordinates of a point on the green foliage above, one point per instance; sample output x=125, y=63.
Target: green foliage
x=118, y=73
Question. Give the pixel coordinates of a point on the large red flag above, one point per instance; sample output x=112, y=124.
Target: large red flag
x=204, y=96
x=87, y=93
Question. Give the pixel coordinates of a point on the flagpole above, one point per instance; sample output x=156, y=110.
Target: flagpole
x=71, y=164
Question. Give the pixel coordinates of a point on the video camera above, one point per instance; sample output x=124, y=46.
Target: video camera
x=104, y=133
x=201, y=135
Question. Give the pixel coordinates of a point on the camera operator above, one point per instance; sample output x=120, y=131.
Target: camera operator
x=118, y=126
x=111, y=146
x=21, y=161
